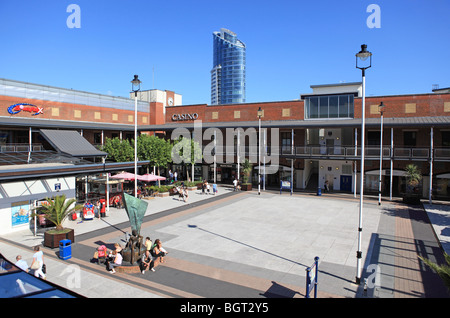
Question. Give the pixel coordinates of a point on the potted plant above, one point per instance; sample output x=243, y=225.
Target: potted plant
x=412, y=190
x=246, y=170
x=57, y=210
x=164, y=191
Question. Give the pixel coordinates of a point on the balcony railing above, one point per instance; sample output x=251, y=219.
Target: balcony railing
x=343, y=152
x=20, y=147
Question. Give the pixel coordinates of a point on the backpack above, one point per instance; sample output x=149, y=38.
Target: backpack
x=101, y=251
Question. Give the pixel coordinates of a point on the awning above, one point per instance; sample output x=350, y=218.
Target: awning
x=71, y=142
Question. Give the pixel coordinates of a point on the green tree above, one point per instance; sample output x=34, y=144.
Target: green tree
x=246, y=170
x=155, y=150
x=187, y=151
x=58, y=209
x=119, y=150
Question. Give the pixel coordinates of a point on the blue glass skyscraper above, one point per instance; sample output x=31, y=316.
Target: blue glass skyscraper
x=228, y=73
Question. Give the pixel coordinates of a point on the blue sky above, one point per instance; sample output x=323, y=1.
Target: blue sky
x=290, y=45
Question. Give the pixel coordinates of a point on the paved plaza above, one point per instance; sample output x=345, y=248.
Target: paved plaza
x=245, y=245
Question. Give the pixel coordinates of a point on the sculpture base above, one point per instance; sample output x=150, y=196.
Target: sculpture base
x=128, y=269
x=132, y=258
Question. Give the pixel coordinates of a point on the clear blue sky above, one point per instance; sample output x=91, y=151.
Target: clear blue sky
x=290, y=45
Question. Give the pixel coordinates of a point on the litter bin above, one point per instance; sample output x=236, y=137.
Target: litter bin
x=65, y=249
x=319, y=191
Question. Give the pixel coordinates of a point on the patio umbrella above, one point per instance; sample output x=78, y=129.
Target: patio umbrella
x=150, y=177
x=125, y=176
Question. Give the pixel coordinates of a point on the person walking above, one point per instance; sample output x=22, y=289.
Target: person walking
x=38, y=262
x=22, y=264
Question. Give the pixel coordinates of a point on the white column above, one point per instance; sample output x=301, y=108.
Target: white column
x=392, y=164
x=431, y=167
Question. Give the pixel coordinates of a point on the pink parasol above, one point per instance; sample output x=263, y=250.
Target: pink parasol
x=125, y=176
x=150, y=177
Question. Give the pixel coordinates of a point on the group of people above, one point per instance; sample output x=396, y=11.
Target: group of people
x=37, y=264
x=173, y=176
x=182, y=192
x=153, y=255
x=206, y=187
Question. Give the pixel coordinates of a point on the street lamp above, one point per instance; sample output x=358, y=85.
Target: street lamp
x=380, y=109
x=135, y=87
x=260, y=112
x=363, y=62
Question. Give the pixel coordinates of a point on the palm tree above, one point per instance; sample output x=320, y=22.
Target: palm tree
x=413, y=177
x=58, y=209
x=442, y=270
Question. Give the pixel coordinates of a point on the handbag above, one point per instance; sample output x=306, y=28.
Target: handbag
x=35, y=265
x=44, y=269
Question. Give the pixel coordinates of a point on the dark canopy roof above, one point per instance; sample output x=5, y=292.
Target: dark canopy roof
x=71, y=142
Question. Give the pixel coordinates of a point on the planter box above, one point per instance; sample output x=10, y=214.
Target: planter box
x=192, y=188
x=246, y=187
x=163, y=194
x=52, y=239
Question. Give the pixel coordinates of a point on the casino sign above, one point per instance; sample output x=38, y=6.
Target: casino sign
x=182, y=117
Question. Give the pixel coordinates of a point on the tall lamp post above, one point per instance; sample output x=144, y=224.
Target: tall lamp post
x=135, y=87
x=363, y=62
x=259, y=149
x=380, y=109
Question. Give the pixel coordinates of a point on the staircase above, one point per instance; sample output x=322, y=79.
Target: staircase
x=313, y=182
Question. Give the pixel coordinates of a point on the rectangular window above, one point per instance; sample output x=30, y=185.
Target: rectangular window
x=445, y=138
x=343, y=106
x=333, y=106
x=373, y=138
x=313, y=107
x=409, y=138
x=285, y=141
x=323, y=107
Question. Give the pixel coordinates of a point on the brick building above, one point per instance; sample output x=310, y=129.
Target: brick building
x=306, y=141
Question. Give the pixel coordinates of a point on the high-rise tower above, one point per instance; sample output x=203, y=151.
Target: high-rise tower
x=228, y=73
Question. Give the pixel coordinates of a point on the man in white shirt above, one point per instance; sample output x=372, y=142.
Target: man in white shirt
x=22, y=264
x=235, y=183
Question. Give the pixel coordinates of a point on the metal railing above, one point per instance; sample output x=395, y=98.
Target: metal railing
x=20, y=147
x=343, y=152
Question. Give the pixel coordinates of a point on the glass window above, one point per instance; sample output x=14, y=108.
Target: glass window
x=313, y=107
x=445, y=138
x=409, y=138
x=333, y=108
x=343, y=106
x=323, y=107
